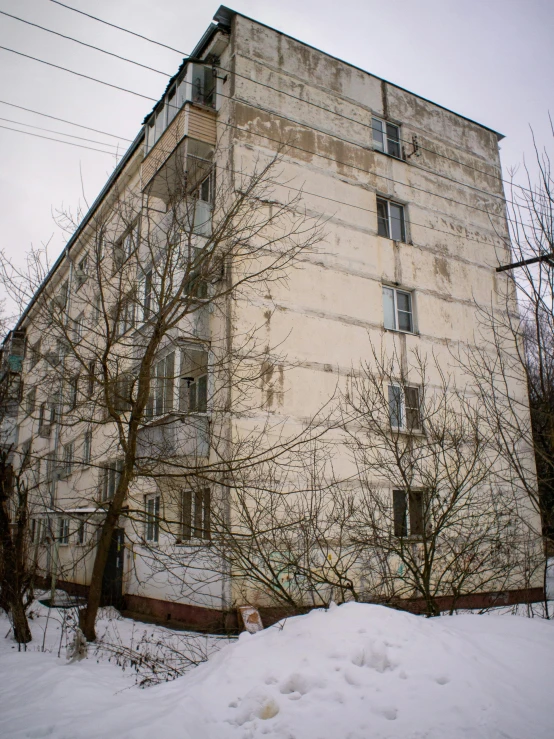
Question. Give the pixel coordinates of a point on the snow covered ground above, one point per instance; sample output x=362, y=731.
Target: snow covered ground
x=352, y=672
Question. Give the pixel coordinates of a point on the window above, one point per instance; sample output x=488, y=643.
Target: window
x=126, y=245
x=91, y=378
x=72, y=393
x=404, y=410
x=162, y=387
x=110, y=472
x=390, y=220
x=81, y=532
x=67, y=458
x=149, y=290
x=193, y=389
x=152, y=528
x=63, y=531
x=87, y=447
x=98, y=308
x=203, y=85
x=81, y=272
x=34, y=354
x=408, y=512
x=126, y=317
x=30, y=401
x=397, y=309
x=78, y=328
x=46, y=417
x=386, y=137
x=195, y=514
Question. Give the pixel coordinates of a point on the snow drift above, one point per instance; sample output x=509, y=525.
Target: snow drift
x=355, y=671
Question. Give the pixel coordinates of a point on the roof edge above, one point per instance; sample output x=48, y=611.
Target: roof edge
x=224, y=16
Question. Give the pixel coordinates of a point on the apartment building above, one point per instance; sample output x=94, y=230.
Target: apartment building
x=402, y=226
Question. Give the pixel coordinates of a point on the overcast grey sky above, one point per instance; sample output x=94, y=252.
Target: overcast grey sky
x=490, y=60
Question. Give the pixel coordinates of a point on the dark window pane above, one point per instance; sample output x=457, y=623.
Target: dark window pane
x=198, y=517
x=378, y=138
x=207, y=518
x=395, y=406
x=397, y=222
x=416, y=512
x=202, y=394
x=186, y=515
x=399, y=511
x=393, y=140
x=382, y=218
x=404, y=304
x=411, y=395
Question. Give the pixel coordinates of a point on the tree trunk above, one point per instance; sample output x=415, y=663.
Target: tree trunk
x=21, y=630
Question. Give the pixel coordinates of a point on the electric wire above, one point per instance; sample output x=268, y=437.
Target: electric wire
x=119, y=28
x=64, y=120
x=78, y=74
x=295, y=97
x=59, y=141
x=83, y=43
x=294, y=146
x=60, y=133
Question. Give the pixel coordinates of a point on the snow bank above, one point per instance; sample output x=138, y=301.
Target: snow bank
x=355, y=671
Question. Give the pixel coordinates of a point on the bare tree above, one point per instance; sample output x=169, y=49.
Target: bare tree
x=432, y=521
x=512, y=367
x=122, y=357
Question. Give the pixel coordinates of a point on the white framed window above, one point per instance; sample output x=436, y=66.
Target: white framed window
x=87, y=447
x=81, y=271
x=408, y=512
x=390, y=220
x=81, y=531
x=152, y=521
x=126, y=317
x=404, y=408
x=78, y=328
x=67, y=458
x=386, y=137
x=34, y=354
x=109, y=474
x=63, y=531
x=397, y=310
x=193, y=387
x=72, y=392
x=30, y=401
x=196, y=514
x=162, y=387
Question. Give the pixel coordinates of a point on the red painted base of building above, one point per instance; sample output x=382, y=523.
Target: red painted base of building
x=211, y=620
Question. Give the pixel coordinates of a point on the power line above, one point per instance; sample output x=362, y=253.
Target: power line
x=119, y=28
x=61, y=133
x=60, y=141
x=295, y=97
x=79, y=74
x=307, y=151
x=82, y=43
x=64, y=120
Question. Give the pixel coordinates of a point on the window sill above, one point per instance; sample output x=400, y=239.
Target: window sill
x=407, y=432
x=390, y=156
x=196, y=543
x=400, y=331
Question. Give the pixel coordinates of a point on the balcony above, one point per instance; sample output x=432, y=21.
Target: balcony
x=175, y=435
x=166, y=160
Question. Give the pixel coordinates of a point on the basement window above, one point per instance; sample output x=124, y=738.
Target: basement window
x=386, y=137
